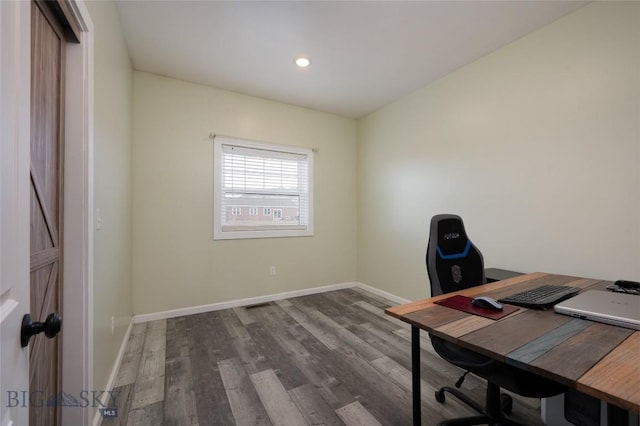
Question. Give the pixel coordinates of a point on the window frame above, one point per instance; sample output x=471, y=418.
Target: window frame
x=218, y=191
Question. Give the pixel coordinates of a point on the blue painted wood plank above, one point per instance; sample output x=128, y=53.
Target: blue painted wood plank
x=532, y=350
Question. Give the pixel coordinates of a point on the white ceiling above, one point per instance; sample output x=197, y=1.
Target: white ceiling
x=365, y=54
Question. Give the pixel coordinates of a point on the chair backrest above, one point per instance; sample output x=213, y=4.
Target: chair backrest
x=453, y=262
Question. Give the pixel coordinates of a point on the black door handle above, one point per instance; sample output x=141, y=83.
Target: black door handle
x=51, y=327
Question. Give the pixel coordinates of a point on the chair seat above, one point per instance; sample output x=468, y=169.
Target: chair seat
x=507, y=377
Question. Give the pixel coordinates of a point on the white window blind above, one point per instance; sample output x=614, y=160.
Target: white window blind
x=270, y=180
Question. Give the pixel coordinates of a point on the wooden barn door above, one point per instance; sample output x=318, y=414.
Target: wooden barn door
x=48, y=46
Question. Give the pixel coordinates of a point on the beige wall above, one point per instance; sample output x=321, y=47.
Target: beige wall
x=176, y=262
x=112, y=188
x=536, y=146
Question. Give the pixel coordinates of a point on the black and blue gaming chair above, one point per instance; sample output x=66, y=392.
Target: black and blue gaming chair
x=454, y=263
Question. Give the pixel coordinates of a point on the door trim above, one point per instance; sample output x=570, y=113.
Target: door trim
x=77, y=335
x=77, y=299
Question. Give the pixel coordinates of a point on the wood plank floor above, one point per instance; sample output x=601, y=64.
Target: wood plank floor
x=326, y=359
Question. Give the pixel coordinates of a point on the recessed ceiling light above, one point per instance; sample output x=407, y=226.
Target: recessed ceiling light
x=303, y=62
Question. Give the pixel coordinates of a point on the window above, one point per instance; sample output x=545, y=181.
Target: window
x=261, y=177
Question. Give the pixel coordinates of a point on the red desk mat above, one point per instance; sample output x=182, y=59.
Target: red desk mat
x=463, y=303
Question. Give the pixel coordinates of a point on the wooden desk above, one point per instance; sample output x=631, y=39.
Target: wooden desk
x=597, y=359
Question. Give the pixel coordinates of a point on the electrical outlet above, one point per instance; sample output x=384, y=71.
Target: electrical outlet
x=113, y=325
x=272, y=270
x=98, y=219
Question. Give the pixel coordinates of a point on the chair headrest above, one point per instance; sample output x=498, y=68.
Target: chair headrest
x=452, y=241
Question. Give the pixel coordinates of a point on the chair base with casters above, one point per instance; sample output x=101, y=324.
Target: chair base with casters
x=498, y=375
x=497, y=405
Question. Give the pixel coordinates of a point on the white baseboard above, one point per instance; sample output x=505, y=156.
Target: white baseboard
x=392, y=297
x=239, y=302
x=97, y=419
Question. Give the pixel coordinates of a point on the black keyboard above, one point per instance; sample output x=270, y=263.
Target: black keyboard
x=542, y=297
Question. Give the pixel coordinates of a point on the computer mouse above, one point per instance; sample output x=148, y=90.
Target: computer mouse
x=487, y=303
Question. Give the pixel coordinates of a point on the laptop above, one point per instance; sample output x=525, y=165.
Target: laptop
x=604, y=306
